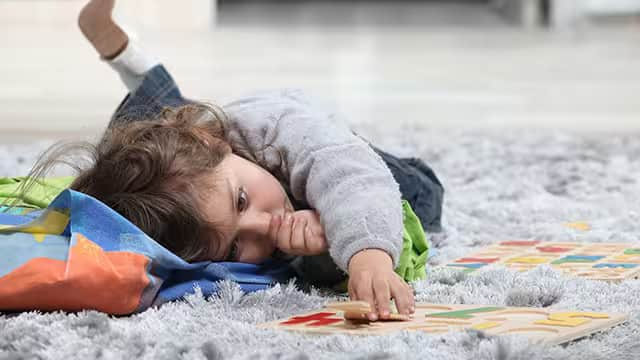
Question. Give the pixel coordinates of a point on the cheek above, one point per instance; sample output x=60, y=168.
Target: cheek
x=256, y=251
x=270, y=190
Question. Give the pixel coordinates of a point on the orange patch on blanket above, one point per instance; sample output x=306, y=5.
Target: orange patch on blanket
x=91, y=278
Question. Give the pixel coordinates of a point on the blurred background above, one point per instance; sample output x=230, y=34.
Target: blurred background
x=560, y=64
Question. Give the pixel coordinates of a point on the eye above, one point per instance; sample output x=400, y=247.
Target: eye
x=243, y=200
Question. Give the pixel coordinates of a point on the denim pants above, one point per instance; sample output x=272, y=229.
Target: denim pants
x=418, y=183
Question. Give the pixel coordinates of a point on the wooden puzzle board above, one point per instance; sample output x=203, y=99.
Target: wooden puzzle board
x=595, y=261
x=539, y=325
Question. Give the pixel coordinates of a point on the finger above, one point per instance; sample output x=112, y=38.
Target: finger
x=412, y=299
x=318, y=230
x=382, y=295
x=364, y=291
x=284, y=233
x=297, y=236
x=353, y=295
x=403, y=297
x=315, y=244
x=309, y=240
x=410, y=295
x=274, y=225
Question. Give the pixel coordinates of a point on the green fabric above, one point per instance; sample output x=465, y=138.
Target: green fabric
x=41, y=193
x=415, y=250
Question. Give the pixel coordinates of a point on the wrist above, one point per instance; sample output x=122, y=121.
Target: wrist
x=379, y=256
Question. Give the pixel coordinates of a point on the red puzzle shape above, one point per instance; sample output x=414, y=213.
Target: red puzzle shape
x=552, y=249
x=317, y=319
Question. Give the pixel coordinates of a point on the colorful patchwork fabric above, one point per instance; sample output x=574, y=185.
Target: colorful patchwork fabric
x=79, y=254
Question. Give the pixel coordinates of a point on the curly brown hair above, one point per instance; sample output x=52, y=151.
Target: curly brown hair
x=152, y=172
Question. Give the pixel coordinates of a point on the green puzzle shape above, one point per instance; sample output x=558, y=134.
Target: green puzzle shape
x=464, y=314
x=632, y=252
x=578, y=259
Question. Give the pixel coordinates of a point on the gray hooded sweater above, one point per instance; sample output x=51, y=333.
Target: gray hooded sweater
x=323, y=164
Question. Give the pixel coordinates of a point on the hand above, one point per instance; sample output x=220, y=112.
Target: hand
x=299, y=233
x=372, y=279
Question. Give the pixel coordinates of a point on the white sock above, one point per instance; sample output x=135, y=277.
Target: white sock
x=132, y=64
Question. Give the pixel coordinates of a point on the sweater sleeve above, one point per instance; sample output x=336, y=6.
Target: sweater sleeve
x=327, y=166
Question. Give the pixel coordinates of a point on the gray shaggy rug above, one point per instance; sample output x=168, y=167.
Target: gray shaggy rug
x=505, y=185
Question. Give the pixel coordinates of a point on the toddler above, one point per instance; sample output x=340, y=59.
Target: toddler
x=271, y=175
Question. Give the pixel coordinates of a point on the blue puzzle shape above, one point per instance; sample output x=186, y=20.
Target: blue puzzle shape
x=469, y=266
x=613, y=266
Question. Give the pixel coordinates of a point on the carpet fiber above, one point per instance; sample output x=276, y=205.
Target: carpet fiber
x=512, y=185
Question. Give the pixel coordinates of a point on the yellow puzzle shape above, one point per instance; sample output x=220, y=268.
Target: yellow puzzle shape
x=527, y=260
x=485, y=325
x=578, y=225
x=570, y=319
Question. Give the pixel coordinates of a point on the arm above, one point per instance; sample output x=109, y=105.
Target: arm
x=339, y=176
x=327, y=166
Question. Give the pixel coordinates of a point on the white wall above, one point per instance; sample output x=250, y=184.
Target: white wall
x=168, y=14
x=612, y=6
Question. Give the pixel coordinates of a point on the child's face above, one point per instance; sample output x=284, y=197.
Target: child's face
x=245, y=199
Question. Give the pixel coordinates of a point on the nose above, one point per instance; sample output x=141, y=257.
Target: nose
x=255, y=223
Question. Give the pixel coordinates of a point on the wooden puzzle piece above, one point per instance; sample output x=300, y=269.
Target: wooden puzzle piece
x=534, y=323
x=571, y=319
x=527, y=260
x=363, y=317
x=604, y=248
x=469, y=266
x=627, y=258
x=464, y=314
x=430, y=329
x=553, y=249
x=317, y=319
x=358, y=310
x=520, y=243
x=522, y=311
x=578, y=225
x=578, y=259
x=477, y=260
x=616, y=265
x=485, y=325
x=357, y=306
x=568, y=244
x=448, y=322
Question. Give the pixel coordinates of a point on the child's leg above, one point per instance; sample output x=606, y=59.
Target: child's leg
x=98, y=27
x=419, y=186
x=151, y=88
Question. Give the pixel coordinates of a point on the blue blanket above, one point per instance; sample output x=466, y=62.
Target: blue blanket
x=80, y=254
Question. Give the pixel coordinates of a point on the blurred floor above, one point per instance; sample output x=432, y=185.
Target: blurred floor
x=464, y=67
